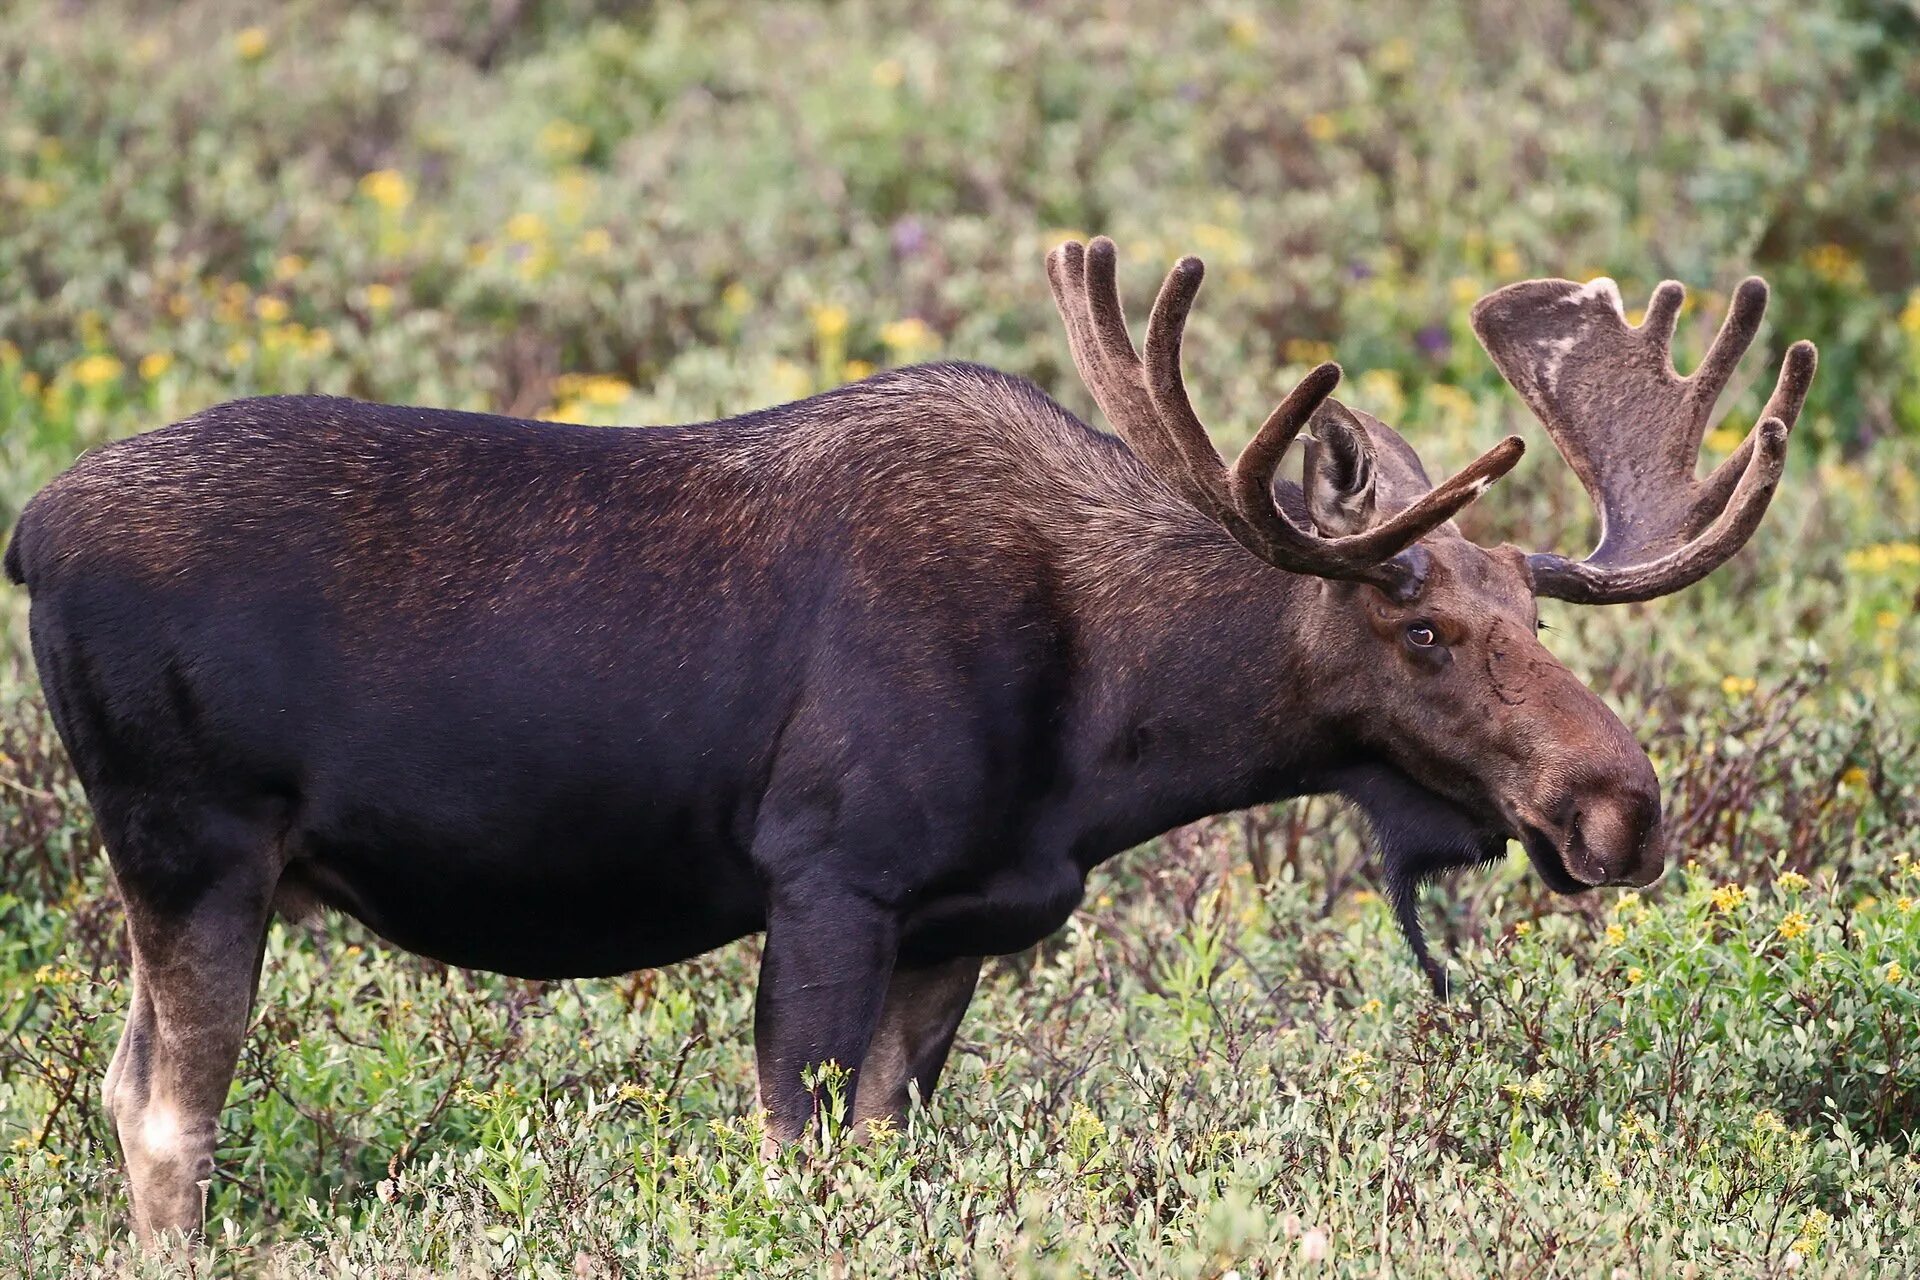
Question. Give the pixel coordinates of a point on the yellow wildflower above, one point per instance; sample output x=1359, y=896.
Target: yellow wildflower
x=96, y=370
x=1217, y=241
x=1893, y=972
x=565, y=140
x=1371, y=1006
x=605, y=390
x=1728, y=897
x=1768, y=1124
x=155, y=363
x=1854, y=777
x=909, y=338
x=1812, y=1232
x=596, y=242
x=379, y=296
x=1886, y=620
x=1636, y=975
x=1506, y=261
x=251, y=44
x=1380, y=389
x=1910, y=314
x=270, y=309
x=1791, y=882
x=1793, y=925
x=1306, y=351
x=1395, y=56
x=1452, y=403
x=791, y=380
x=830, y=320
x=737, y=298
x=1883, y=557
x=1725, y=439
x=1321, y=127
x=1464, y=289
x=525, y=228
x=1835, y=263
x=1523, y=928
x=288, y=265
x=888, y=73
x=387, y=188
x=1738, y=686
x=858, y=369
x=1616, y=935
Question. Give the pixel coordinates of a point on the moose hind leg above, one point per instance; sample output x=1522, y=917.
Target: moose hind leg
x=197, y=933
x=917, y=1024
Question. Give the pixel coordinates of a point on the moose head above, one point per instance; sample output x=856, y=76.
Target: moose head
x=1469, y=731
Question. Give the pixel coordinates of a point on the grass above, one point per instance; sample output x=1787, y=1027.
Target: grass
x=1226, y=1062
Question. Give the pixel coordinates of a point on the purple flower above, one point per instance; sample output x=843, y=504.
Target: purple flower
x=1359, y=271
x=909, y=236
x=1433, y=340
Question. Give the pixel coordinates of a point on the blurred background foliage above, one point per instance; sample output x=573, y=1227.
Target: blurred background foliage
x=646, y=213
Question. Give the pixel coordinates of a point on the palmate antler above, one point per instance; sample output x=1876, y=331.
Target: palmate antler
x=1147, y=404
x=1631, y=428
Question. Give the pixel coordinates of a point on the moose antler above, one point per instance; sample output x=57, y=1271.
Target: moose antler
x=1147, y=404
x=1631, y=428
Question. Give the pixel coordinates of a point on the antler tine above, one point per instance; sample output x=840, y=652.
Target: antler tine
x=1088, y=298
x=1580, y=582
x=1663, y=312
x=1066, y=273
x=1118, y=393
x=1360, y=555
x=1631, y=428
x=1736, y=334
x=1789, y=394
x=1147, y=403
x=1201, y=472
x=1252, y=486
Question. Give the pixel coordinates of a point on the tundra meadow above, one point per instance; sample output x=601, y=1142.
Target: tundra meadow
x=1226, y=1064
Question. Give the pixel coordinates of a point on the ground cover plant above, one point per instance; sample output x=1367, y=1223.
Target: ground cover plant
x=1226, y=1063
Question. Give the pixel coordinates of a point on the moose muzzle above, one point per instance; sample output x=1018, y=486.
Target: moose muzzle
x=1604, y=829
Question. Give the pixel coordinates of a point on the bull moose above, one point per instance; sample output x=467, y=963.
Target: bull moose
x=884, y=672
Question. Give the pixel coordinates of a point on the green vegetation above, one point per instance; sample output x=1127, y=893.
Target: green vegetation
x=1227, y=1062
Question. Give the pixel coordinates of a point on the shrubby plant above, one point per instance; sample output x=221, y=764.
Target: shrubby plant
x=1225, y=1064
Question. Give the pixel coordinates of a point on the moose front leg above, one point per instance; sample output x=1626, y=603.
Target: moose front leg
x=922, y=1013
x=823, y=980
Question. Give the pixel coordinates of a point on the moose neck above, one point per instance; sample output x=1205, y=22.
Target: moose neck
x=1205, y=668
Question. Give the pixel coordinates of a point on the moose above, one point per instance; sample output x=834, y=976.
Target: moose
x=883, y=673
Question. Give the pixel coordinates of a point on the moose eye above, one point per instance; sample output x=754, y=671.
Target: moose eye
x=1421, y=636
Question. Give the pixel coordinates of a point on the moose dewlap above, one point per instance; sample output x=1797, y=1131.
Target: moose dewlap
x=884, y=673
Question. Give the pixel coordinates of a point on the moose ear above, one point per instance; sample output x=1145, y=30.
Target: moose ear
x=1338, y=475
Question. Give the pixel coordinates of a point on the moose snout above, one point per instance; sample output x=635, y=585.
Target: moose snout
x=1617, y=839
x=1604, y=831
